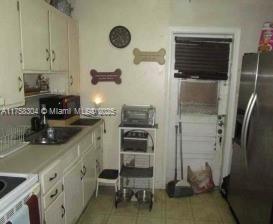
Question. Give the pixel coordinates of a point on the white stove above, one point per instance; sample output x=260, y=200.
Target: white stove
x=15, y=190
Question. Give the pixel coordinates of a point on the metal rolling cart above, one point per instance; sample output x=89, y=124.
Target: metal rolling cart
x=137, y=150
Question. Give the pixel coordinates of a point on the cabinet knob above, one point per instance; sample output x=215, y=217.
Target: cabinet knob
x=54, y=177
x=71, y=80
x=47, y=55
x=20, y=84
x=53, y=56
x=53, y=195
x=63, y=208
x=84, y=170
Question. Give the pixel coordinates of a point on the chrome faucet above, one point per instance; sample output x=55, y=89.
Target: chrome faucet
x=44, y=122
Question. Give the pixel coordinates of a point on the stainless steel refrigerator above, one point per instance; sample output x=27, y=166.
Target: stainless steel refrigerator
x=251, y=179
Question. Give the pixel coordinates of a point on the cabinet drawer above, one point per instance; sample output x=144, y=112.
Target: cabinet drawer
x=69, y=158
x=86, y=142
x=52, y=194
x=55, y=214
x=50, y=176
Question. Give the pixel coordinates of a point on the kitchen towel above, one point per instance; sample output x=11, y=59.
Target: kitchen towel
x=33, y=207
x=21, y=217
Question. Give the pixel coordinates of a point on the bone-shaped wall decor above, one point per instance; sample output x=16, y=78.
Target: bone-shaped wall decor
x=149, y=56
x=105, y=76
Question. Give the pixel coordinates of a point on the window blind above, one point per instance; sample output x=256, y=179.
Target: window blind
x=202, y=58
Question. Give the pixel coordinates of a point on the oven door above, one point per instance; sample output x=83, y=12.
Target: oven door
x=15, y=205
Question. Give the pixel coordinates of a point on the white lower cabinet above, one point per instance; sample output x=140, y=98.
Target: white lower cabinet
x=55, y=213
x=89, y=179
x=69, y=182
x=73, y=198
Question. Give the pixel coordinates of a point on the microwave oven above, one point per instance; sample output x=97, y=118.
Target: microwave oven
x=60, y=107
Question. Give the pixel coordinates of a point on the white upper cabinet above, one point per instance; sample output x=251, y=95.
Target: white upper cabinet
x=74, y=58
x=35, y=35
x=44, y=33
x=58, y=41
x=11, y=76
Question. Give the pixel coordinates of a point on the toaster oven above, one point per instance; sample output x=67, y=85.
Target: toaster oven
x=138, y=115
x=135, y=140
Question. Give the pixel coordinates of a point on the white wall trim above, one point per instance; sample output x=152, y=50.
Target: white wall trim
x=235, y=33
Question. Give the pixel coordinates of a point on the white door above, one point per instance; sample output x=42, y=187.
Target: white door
x=89, y=180
x=73, y=199
x=55, y=214
x=58, y=41
x=11, y=76
x=74, y=60
x=35, y=35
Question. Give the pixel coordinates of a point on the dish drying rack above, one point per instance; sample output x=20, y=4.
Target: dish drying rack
x=12, y=139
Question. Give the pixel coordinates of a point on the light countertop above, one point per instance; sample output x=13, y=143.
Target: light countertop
x=34, y=158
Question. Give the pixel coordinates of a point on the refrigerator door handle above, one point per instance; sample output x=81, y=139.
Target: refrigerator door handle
x=244, y=120
x=244, y=143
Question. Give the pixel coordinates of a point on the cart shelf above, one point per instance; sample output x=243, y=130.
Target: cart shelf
x=136, y=172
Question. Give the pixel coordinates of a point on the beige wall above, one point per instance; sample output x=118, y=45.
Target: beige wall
x=148, y=22
x=248, y=15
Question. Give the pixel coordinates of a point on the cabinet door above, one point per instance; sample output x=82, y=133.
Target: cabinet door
x=73, y=193
x=35, y=35
x=55, y=214
x=89, y=180
x=11, y=76
x=58, y=41
x=74, y=60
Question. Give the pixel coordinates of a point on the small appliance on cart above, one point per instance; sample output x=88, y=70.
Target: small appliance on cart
x=137, y=148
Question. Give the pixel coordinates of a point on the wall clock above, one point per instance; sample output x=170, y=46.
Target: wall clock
x=120, y=36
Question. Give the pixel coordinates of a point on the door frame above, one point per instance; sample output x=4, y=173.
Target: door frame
x=232, y=95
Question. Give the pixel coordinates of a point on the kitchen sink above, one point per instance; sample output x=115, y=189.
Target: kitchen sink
x=53, y=136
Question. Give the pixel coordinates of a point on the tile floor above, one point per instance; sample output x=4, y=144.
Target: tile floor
x=207, y=208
